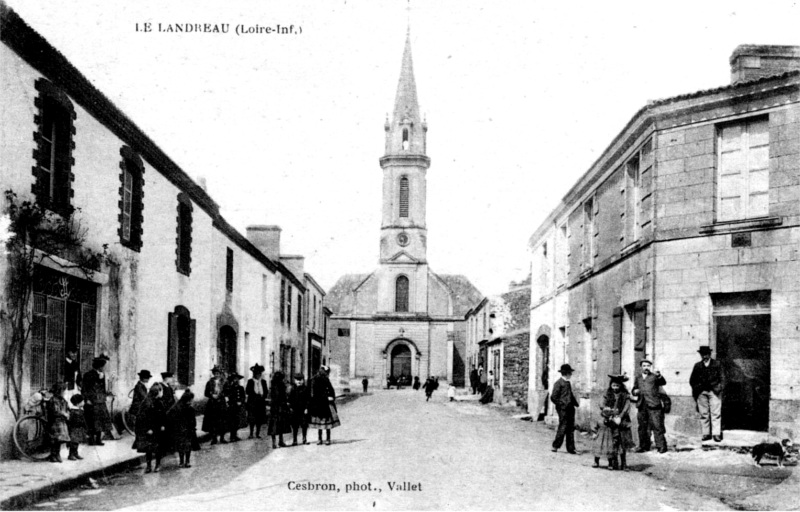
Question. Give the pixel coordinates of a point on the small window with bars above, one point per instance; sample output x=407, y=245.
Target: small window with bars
x=404, y=197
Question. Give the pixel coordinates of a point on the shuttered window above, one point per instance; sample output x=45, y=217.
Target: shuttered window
x=404, y=197
x=401, y=294
x=616, y=341
x=743, y=174
x=229, y=270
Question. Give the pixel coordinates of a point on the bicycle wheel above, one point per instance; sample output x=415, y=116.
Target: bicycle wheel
x=129, y=422
x=31, y=439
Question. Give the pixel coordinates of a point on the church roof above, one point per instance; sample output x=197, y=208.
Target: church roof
x=405, y=103
x=465, y=295
x=340, y=299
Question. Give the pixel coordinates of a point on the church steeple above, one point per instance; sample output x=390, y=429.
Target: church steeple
x=405, y=133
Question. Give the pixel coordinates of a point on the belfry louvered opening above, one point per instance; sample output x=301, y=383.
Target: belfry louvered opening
x=404, y=197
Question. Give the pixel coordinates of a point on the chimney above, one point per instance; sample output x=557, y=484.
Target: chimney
x=752, y=61
x=267, y=239
x=295, y=264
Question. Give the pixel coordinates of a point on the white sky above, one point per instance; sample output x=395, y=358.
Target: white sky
x=520, y=96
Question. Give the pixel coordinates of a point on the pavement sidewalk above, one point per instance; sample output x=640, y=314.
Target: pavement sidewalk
x=23, y=482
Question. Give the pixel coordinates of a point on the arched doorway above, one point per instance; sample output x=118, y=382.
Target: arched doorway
x=226, y=348
x=543, y=372
x=401, y=362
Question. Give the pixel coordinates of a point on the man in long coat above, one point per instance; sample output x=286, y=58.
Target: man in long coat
x=474, y=380
x=140, y=392
x=646, y=389
x=708, y=382
x=565, y=402
x=98, y=420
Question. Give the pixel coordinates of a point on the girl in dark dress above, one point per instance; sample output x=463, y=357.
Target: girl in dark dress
x=614, y=436
x=256, y=392
x=321, y=405
x=77, y=426
x=57, y=417
x=183, y=428
x=278, y=409
x=214, y=414
x=150, y=426
x=235, y=396
x=298, y=405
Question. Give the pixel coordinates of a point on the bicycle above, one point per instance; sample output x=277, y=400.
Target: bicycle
x=128, y=419
x=30, y=431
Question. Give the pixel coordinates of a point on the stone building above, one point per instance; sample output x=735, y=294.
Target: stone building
x=402, y=319
x=183, y=290
x=684, y=233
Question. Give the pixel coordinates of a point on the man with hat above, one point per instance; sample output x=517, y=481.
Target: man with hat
x=98, y=420
x=169, y=385
x=236, y=414
x=647, y=391
x=565, y=403
x=708, y=381
x=139, y=392
x=214, y=417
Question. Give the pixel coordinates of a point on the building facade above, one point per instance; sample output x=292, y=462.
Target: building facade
x=180, y=289
x=402, y=319
x=684, y=233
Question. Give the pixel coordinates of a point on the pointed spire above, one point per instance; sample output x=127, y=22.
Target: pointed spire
x=405, y=104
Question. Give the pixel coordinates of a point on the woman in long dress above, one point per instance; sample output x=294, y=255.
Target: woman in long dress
x=183, y=428
x=214, y=414
x=151, y=428
x=322, y=407
x=278, y=409
x=614, y=436
x=256, y=393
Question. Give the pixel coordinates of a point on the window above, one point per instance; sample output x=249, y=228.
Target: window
x=401, y=294
x=53, y=155
x=743, y=170
x=131, y=199
x=264, y=301
x=283, y=300
x=184, y=240
x=288, y=305
x=632, y=200
x=314, y=325
x=405, y=138
x=588, y=234
x=588, y=354
x=404, y=197
x=299, y=312
x=562, y=255
x=229, y=270
x=181, y=345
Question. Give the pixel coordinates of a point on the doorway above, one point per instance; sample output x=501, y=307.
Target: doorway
x=401, y=362
x=226, y=348
x=543, y=343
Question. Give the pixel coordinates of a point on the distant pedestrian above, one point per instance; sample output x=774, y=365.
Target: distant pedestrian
x=57, y=418
x=451, y=392
x=474, y=380
x=416, y=384
x=298, y=405
x=429, y=387
x=365, y=384
x=214, y=415
x=484, y=380
x=708, y=383
x=278, y=409
x=490, y=380
x=565, y=402
x=647, y=391
x=77, y=426
x=94, y=393
x=235, y=413
x=182, y=420
x=151, y=427
x=322, y=405
x=256, y=394
x=614, y=436
x=487, y=396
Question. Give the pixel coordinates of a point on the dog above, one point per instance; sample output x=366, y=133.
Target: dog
x=777, y=450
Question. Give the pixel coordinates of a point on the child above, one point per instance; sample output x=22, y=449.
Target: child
x=183, y=423
x=236, y=414
x=614, y=434
x=451, y=392
x=298, y=405
x=77, y=426
x=57, y=417
x=279, y=421
x=150, y=428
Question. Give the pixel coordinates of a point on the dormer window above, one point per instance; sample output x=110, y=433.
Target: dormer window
x=405, y=138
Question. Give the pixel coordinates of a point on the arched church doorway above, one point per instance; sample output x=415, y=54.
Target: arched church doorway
x=226, y=348
x=401, y=362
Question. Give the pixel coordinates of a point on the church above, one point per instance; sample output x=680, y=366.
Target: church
x=402, y=320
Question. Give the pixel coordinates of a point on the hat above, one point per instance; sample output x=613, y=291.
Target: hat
x=645, y=361
x=704, y=349
x=299, y=376
x=618, y=378
x=144, y=374
x=235, y=376
x=257, y=368
x=103, y=356
x=566, y=368
x=326, y=368
x=76, y=399
x=99, y=361
x=166, y=375
x=216, y=369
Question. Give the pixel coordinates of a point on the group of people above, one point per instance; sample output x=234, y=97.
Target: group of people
x=613, y=436
x=480, y=380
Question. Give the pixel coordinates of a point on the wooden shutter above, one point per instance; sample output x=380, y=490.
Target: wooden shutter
x=191, y=355
x=616, y=341
x=172, y=343
x=758, y=168
x=639, y=332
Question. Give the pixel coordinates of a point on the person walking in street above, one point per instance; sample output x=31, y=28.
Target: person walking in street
x=256, y=394
x=429, y=388
x=236, y=414
x=150, y=428
x=57, y=418
x=278, y=410
x=565, y=402
x=708, y=382
x=98, y=420
x=322, y=405
x=647, y=391
x=364, y=384
x=182, y=420
x=77, y=426
x=474, y=380
x=451, y=392
x=139, y=393
x=298, y=405
x=416, y=384
x=214, y=415
x=614, y=436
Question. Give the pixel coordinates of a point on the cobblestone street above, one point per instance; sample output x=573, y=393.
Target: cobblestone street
x=447, y=455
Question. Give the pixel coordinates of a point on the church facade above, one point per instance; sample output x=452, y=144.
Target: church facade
x=402, y=319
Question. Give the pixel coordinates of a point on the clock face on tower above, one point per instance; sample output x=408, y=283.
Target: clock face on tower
x=402, y=239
